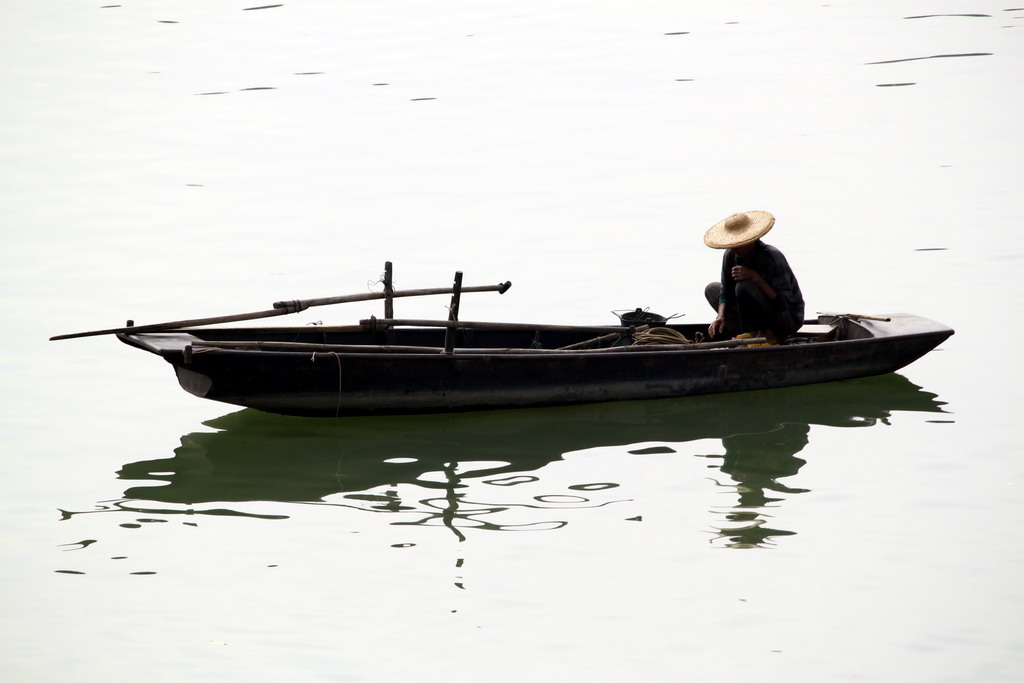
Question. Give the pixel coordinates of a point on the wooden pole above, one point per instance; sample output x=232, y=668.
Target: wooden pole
x=177, y=324
x=280, y=308
x=395, y=348
x=389, y=292
x=369, y=296
x=453, y=313
x=379, y=323
x=614, y=336
x=858, y=316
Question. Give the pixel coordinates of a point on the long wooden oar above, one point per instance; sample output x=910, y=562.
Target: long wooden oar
x=280, y=308
x=376, y=324
x=383, y=348
x=588, y=343
x=369, y=296
x=857, y=316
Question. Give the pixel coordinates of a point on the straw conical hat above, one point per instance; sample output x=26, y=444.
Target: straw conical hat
x=739, y=229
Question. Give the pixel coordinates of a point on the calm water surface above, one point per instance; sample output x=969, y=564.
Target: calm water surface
x=173, y=160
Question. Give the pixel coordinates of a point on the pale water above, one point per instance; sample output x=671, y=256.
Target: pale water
x=168, y=160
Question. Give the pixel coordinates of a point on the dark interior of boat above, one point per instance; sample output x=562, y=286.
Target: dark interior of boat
x=498, y=336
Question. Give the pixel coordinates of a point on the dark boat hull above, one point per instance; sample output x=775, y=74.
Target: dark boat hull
x=318, y=383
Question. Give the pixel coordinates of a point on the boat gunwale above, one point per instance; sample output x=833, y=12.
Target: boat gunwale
x=923, y=328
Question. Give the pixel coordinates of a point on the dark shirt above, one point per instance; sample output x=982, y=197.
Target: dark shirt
x=773, y=267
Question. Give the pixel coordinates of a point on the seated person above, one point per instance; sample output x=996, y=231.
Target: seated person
x=758, y=293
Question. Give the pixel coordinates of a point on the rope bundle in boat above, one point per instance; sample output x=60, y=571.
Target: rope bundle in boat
x=664, y=335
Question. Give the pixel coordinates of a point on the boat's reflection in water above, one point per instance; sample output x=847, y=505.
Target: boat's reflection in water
x=431, y=469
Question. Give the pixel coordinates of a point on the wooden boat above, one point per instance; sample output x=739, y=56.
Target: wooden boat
x=328, y=371
x=396, y=366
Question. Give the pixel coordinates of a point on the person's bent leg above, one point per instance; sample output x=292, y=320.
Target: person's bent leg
x=785, y=325
x=713, y=293
x=754, y=308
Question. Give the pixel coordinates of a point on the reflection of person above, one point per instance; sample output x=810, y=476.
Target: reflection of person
x=758, y=293
x=756, y=462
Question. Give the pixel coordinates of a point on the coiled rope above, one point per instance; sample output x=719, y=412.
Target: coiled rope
x=664, y=335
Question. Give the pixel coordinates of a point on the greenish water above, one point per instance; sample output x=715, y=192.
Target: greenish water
x=163, y=161
x=443, y=470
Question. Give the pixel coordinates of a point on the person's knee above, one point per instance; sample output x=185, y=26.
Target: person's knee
x=713, y=293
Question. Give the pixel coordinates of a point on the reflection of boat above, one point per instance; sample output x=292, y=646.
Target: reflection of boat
x=256, y=456
x=379, y=367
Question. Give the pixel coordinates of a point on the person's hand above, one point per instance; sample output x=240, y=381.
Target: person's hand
x=742, y=273
x=717, y=326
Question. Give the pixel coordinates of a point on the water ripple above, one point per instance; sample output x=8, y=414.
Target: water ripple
x=932, y=16
x=915, y=59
